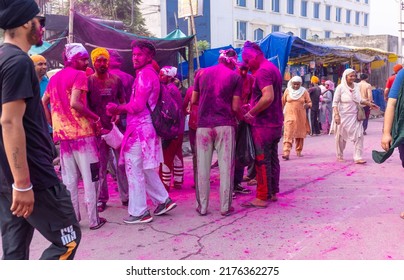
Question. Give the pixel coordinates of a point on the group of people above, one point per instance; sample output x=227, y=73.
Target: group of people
x=80, y=107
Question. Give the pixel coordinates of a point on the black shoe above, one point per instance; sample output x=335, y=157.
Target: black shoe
x=240, y=189
x=102, y=221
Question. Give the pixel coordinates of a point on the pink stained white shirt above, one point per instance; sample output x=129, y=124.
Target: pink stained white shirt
x=67, y=123
x=146, y=89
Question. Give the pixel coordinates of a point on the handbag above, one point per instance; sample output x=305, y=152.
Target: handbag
x=360, y=115
x=245, y=149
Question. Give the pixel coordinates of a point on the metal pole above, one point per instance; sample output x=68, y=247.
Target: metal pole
x=70, y=38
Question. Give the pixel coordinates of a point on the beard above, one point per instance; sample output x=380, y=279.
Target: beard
x=34, y=37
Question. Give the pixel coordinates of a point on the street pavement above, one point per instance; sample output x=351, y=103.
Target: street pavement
x=327, y=210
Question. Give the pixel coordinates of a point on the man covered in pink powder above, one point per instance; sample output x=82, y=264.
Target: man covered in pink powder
x=75, y=126
x=172, y=149
x=105, y=87
x=218, y=90
x=266, y=119
x=141, y=146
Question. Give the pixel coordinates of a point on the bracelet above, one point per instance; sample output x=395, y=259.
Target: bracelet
x=21, y=190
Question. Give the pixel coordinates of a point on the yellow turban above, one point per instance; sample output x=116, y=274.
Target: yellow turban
x=99, y=52
x=314, y=80
x=38, y=58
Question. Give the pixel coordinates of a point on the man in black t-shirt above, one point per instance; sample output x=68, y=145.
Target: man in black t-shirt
x=31, y=194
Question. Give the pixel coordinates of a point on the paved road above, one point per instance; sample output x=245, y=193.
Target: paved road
x=327, y=210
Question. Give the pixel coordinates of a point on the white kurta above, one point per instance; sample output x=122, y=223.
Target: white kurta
x=350, y=128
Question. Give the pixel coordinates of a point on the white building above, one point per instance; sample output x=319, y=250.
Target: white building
x=234, y=21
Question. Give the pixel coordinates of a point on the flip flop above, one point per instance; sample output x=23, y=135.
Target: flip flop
x=249, y=204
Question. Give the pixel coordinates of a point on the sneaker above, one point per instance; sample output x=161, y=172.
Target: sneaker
x=164, y=207
x=240, y=189
x=145, y=218
x=101, y=206
x=102, y=221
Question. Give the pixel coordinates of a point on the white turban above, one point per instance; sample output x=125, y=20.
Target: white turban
x=170, y=71
x=73, y=49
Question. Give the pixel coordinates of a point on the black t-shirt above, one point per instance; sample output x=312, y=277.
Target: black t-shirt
x=18, y=80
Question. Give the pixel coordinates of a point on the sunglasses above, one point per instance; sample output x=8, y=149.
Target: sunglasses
x=42, y=20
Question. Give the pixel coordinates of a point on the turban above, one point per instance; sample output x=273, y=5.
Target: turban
x=99, y=52
x=14, y=13
x=314, y=80
x=73, y=49
x=397, y=68
x=229, y=56
x=38, y=58
x=169, y=71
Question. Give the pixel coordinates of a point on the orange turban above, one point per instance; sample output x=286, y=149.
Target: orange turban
x=397, y=67
x=314, y=80
x=38, y=58
x=99, y=52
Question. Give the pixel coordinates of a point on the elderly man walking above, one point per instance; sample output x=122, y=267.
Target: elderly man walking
x=218, y=89
x=75, y=126
x=266, y=118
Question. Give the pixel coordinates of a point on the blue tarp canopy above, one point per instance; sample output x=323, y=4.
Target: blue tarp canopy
x=276, y=48
x=282, y=48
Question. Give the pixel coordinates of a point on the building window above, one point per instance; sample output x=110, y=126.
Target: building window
x=348, y=16
x=259, y=4
x=241, y=30
x=316, y=10
x=291, y=7
x=366, y=1
x=365, y=19
x=275, y=6
x=258, y=34
x=338, y=14
x=357, y=18
x=303, y=33
x=328, y=12
x=327, y=34
x=276, y=28
x=303, y=11
x=241, y=3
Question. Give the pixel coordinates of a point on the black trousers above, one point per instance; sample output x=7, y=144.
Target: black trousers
x=315, y=126
x=53, y=217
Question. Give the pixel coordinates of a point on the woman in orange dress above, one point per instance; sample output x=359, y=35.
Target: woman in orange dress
x=295, y=101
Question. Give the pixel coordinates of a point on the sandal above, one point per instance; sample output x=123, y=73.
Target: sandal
x=251, y=204
x=285, y=157
x=102, y=222
x=360, y=161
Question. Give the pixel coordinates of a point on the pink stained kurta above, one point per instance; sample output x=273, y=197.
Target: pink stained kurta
x=295, y=118
x=146, y=89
